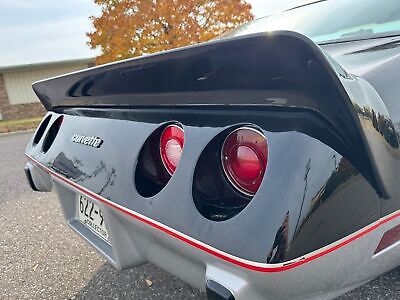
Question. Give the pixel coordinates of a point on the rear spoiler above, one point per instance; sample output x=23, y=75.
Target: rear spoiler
x=276, y=69
x=279, y=69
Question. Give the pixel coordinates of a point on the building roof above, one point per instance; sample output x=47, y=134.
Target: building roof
x=47, y=64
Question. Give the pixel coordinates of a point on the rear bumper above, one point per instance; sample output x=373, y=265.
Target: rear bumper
x=136, y=239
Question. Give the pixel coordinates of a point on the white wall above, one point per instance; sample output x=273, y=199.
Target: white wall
x=19, y=82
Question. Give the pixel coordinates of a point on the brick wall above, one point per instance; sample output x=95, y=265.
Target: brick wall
x=20, y=111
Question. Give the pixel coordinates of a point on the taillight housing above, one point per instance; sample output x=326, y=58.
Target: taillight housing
x=171, y=147
x=244, y=157
x=52, y=134
x=159, y=158
x=229, y=172
x=41, y=130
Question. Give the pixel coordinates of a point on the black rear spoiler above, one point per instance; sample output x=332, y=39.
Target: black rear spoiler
x=279, y=69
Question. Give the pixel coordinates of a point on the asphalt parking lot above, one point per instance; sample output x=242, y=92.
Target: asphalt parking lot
x=42, y=259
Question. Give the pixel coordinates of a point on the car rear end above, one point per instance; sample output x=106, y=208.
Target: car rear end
x=239, y=165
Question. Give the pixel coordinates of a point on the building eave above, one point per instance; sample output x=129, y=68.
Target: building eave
x=43, y=65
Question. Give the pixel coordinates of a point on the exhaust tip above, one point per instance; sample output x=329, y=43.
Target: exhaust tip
x=29, y=179
x=216, y=291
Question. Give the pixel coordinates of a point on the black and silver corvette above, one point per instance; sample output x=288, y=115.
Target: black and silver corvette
x=262, y=165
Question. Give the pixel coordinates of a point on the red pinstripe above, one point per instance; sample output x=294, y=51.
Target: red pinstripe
x=254, y=266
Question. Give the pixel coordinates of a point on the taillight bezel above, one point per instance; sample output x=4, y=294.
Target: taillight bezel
x=181, y=140
x=228, y=173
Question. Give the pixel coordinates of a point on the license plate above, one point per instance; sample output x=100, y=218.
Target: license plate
x=91, y=216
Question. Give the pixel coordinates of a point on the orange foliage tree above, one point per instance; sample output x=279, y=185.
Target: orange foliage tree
x=128, y=28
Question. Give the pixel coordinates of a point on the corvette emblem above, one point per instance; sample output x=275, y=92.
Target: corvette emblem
x=92, y=141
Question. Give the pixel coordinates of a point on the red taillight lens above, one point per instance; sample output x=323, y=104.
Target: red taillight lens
x=171, y=147
x=244, y=159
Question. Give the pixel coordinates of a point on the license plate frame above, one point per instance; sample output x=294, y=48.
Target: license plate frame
x=91, y=216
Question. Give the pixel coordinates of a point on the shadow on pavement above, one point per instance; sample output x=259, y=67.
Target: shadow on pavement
x=108, y=283
x=150, y=282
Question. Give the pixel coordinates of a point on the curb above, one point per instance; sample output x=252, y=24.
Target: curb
x=6, y=134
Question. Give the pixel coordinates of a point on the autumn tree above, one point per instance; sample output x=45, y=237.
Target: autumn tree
x=128, y=28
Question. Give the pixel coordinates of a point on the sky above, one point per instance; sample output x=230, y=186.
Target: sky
x=35, y=31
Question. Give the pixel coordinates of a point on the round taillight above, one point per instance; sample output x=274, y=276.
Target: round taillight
x=171, y=147
x=244, y=159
